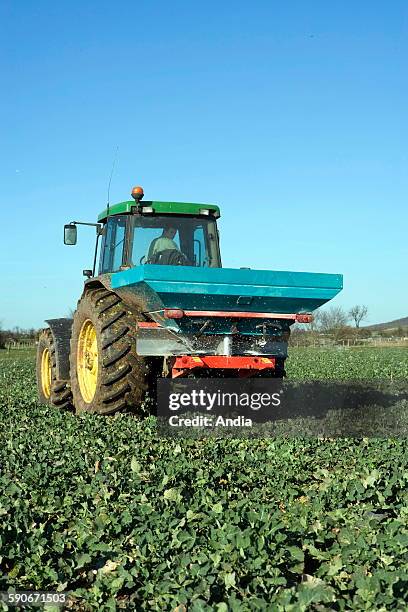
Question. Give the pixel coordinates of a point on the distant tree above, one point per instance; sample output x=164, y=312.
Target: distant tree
x=358, y=313
x=334, y=321
x=2, y=337
x=16, y=331
x=315, y=325
x=365, y=333
x=297, y=335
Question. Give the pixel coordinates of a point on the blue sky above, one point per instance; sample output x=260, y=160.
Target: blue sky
x=290, y=115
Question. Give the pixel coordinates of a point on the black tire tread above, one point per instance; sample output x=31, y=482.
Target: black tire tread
x=61, y=396
x=122, y=375
x=113, y=319
x=117, y=376
x=115, y=357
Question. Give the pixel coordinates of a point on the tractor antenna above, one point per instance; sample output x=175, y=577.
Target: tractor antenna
x=110, y=180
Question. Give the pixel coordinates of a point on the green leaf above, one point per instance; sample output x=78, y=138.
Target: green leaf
x=229, y=580
x=135, y=465
x=83, y=560
x=172, y=495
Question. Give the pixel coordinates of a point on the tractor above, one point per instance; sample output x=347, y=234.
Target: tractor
x=158, y=303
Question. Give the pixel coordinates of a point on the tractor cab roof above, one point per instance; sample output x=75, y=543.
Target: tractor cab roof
x=165, y=208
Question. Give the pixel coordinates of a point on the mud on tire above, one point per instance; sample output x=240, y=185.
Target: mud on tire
x=122, y=376
x=59, y=393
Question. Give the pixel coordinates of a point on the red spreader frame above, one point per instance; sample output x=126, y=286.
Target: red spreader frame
x=178, y=313
x=245, y=366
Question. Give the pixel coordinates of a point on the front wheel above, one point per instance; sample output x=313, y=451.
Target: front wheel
x=107, y=375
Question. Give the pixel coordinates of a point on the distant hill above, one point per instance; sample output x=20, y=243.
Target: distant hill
x=390, y=325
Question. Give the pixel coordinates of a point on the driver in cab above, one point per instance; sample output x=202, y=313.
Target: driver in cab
x=164, y=242
x=164, y=250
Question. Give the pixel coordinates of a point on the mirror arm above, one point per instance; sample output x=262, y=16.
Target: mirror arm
x=97, y=225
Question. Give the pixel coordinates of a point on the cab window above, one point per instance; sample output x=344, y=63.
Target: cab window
x=174, y=240
x=112, y=244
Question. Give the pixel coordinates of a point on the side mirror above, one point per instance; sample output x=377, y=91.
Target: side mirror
x=70, y=234
x=87, y=273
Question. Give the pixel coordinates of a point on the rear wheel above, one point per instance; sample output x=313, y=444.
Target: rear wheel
x=51, y=391
x=107, y=375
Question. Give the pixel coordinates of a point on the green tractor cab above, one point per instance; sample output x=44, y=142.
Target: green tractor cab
x=161, y=304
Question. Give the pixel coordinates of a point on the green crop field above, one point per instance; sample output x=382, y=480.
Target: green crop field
x=122, y=519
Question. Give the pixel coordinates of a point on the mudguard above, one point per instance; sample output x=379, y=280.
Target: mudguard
x=61, y=333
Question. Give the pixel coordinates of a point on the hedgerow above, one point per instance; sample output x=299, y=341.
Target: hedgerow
x=104, y=508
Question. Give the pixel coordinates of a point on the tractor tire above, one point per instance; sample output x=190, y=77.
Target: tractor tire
x=107, y=375
x=51, y=391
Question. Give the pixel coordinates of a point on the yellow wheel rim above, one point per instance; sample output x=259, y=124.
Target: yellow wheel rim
x=87, y=361
x=46, y=373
